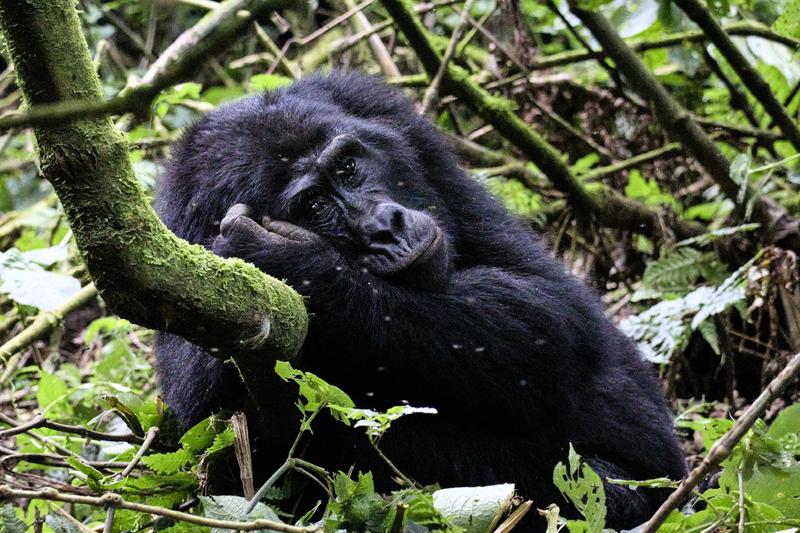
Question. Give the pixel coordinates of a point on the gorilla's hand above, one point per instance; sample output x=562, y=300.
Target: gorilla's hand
x=278, y=248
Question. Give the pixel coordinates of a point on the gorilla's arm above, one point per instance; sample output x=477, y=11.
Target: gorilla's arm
x=516, y=351
x=488, y=327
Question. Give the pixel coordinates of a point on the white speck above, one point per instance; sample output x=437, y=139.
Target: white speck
x=457, y=346
x=364, y=270
x=470, y=299
x=540, y=341
x=523, y=382
x=401, y=183
x=370, y=394
x=387, y=318
x=339, y=268
x=380, y=368
x=306, y=282
x=480, y=349
x=213, y=350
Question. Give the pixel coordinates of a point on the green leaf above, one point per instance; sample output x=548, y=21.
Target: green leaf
x=233, y=508
x=202, y=435
x=648, y=191
x=678, y=270
x=269, y=82
x=357, y=507
x=476, y=509
x=788, y=23
x=51, y=390
x=786, y=423
x=584, y=488
x=125, y=412
x=9, y=522
x=168, y=463
x=377, y=422
x=315, y=391
x=222, y=440
x=777, y=486
x=38, y=288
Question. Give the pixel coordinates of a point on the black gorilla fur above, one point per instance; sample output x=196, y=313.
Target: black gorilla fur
x=516, y=355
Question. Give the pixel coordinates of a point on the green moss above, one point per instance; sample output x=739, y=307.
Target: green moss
x=144, y=272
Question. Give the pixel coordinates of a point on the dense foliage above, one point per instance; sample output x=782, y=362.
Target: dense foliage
x=717, y=312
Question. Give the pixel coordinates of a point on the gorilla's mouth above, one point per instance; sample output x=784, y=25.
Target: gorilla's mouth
x=390, y=260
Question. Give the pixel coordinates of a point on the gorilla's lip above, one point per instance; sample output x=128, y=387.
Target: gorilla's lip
x=426, y=250
x=419, y=254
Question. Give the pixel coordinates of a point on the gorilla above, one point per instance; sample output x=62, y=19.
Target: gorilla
x=421, y=288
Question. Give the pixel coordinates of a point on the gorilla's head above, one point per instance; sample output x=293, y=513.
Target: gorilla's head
x=353, y=180
x=349, y=189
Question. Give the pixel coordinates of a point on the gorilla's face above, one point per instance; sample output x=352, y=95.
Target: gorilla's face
x=354, y=194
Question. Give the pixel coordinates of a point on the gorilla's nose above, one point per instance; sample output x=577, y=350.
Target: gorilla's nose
x=385, y=224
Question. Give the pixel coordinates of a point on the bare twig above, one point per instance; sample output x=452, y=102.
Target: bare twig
x=432, y=92
x=43, y=324
x=723, y=447
x=117, y=501
x=151, y=435
x=379, y=50
x=42, y=422
x=407, y=480
x=399, y=518
x=241, y=446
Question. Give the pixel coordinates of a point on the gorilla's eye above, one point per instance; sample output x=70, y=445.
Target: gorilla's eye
x=345, y=167
x=316, y=206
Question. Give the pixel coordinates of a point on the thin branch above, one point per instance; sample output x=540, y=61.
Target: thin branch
x=679, y=124
x=42, y=422
x=241, y=446
x=48, y=459
x=379, y=50
x=667, y=150
x=607, y=206
x=289, y=66
x=744, y=29
x=206, y=38
x=431, y=93
x=407, y=480
x=759, y=88
x=42, y=326
x=118, y=501
x=723, y=447
x=149, y=438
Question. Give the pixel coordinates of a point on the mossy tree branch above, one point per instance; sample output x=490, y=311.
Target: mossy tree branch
x=606, y=206
x=144, y=272
x=746, y=72
x=777, y=224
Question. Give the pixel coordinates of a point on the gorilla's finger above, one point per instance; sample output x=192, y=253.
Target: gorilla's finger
x=235, y=211
x=289, y=230
x=241, y=227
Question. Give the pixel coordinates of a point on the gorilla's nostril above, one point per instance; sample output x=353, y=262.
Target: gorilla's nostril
x=398, y=220
x=382, y=237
